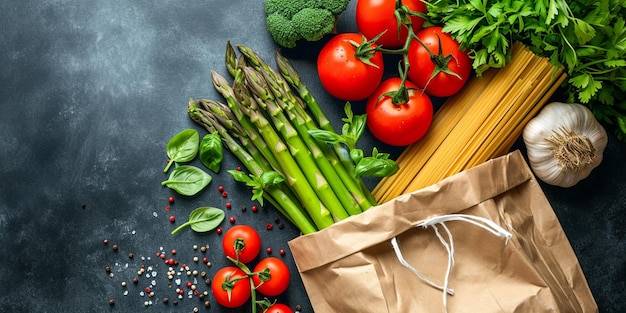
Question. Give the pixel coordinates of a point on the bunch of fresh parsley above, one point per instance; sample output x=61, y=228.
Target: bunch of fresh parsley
x=587, y=37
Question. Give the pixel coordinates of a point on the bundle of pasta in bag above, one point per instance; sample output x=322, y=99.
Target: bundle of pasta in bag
x=484, y=240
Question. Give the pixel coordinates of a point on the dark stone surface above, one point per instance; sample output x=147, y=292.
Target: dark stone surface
x=91, y=91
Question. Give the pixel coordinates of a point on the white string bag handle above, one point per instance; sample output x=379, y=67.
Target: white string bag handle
x=437, y=221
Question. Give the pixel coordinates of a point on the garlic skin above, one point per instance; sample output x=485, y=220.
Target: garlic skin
x=564, y=143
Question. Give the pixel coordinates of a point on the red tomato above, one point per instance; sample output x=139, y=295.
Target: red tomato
x=231, y=287
x=344, y=70
x=279, y=308
x=376, y=16
x=398, y=124
x=450, y=58
x=278, y=279
x=242, y=240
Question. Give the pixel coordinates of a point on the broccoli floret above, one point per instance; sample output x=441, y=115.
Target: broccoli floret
x=291, y=20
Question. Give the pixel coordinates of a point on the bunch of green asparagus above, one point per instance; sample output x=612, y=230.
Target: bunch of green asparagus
x=294, y=158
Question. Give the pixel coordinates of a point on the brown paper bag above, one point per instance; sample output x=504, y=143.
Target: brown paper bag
x=523, y=262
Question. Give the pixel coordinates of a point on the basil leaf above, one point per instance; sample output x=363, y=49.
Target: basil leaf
x=258, y=183
x=183, y=147
x=211, y=151
x=203, y=219
x=187, y=180
x=377, y=165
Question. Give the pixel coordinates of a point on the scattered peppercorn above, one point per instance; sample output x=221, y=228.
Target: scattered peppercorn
x=107, y=269
x=269, y=250
x=219, y=230
x=255, y=208
x=166, y=300
x=281, y=226
x=224, y=194
x=173, y=251
x=207, y=304
x=220, y=188
x=170, y=199
x=106, y=241
x=276, y=220
x=269, y=226
x=298, y=307
x=282, y=251
x=228, y=205
x=172, y=219
x=207, y=281
x=243, y=208
x=83, y=205
x=203, y=249
x=135, y=280
x=131, y=255
x=167, y=208
x=115, y=247
x=232, y=220
x=239, y=168
x=111, y=302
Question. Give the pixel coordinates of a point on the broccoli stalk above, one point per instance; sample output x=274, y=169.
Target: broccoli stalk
x=289, y=21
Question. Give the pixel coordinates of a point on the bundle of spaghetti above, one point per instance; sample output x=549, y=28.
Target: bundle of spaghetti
x=480, y=122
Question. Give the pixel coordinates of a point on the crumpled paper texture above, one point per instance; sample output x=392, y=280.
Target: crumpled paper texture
x=351, y=266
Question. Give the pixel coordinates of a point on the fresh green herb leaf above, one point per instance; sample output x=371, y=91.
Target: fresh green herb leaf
x=258, y=183
x=211, y=151
x=187, y=180
x=377, y=165
x=203, y=219
x=183, y=147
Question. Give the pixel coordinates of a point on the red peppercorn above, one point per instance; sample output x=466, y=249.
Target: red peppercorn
x=162, y=256
x=255, y=208
x=172, y=219
x=188, y=284
x=147, y=289
x=269, y=250
x=232, y=220
x=228, y=205
x=173, y=251
x=239, y=168
x=170, y=199
x=224, y=194
x=282, y=251
x=218, y=231
x=106, y=241
x=205, y=260
x=269, y=226
x=167, y=208
x=220, y=188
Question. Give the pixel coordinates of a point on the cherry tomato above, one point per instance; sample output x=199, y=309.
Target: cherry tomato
x=231, y=287
x=279, y=308
x=350, y=72
x=451, y=65
x=274, y=275
x=376, y=16
x=398, y=124
x=241, y=242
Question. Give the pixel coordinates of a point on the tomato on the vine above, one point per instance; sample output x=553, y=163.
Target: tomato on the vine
x=396, y=121
x=349, y=67
x=241, y=242
x=231, y=287
x=374, y=17
x=279, y=308
x=437, y=64
x=271, y=276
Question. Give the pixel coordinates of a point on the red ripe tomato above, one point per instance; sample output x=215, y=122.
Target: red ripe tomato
x=350, y=72
x=231, y=287
x=376, y=16
x=241, y=242
x=451, y=65
x=279, y=308
x=398, y=124
x=274, y=274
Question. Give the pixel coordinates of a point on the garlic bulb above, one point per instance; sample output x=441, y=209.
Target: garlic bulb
x=564, y=142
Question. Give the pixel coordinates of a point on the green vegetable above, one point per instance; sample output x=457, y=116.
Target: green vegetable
x=211, y=152
x=587, y=38
x=291, y=20
x=258, y=183
x=268, y=127
x=203, y=219
x=182, y=147
x=187, y=180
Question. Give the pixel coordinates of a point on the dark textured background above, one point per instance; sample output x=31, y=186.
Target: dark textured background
x=90, y=93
